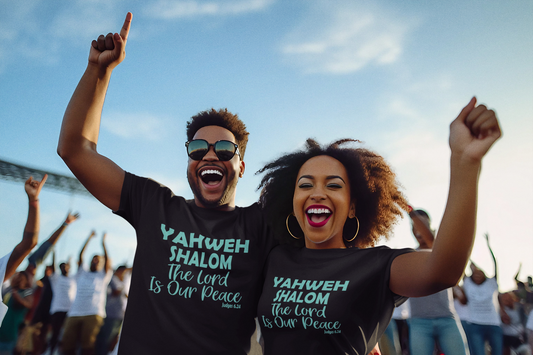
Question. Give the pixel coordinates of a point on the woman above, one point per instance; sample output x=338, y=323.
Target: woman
x=324, y=298
x=20, y=300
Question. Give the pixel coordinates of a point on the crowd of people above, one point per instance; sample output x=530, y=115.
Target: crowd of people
x=84, y=310
x=469, y=318
x=302, y=262
x=456, y=320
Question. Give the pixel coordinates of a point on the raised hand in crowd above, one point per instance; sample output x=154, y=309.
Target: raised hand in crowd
x=31, y=230
x=80, y=259
x=107, y=262
x=37, y=257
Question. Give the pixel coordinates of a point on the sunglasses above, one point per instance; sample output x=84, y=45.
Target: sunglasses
x=198, y=148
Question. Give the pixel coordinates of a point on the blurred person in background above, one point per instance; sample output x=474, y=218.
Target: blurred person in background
x=513, y=326
x=433, y=322
x=115, y=307
x=64, y=292
x=11, y=261
x=484, y=311
x=20, y=299
x=87, y=313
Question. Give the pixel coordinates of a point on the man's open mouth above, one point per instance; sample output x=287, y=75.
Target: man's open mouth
x=211, y=176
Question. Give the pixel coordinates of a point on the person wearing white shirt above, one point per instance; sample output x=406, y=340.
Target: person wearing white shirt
x=64, y=292
x=484, y=309
x=87, y=313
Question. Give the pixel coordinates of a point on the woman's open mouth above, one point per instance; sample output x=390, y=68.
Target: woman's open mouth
x=317, y=216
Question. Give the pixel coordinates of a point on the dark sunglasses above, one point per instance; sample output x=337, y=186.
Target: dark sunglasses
x=198, y=148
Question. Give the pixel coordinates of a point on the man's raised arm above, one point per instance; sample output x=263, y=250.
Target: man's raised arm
x=80, y=259
x=107, y=261
x=81, y=122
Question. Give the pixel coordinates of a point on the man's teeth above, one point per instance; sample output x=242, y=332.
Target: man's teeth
x=211, y=171
x=318, y=211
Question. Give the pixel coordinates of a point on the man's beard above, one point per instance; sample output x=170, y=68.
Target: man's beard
x=231, y=185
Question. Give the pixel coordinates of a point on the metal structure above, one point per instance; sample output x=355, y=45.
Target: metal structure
x=19, y=173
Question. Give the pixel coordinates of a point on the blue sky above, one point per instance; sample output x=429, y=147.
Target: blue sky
x=392, y=74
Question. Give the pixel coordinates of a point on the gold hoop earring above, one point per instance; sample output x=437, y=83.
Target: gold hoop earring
x=287, y=224
x=357, y=232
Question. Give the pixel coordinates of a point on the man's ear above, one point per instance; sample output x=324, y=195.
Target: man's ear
x=242, y=168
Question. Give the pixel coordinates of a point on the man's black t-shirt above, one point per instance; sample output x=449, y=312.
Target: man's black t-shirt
x=333, y=301
x=197, y=273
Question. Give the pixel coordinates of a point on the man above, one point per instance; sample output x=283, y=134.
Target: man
x=433, y=318
x=197, y=268
x=87, y=313
x=64, y=292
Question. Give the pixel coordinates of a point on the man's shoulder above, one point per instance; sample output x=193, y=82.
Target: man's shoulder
x=252, y=215
x=253, y=208
x=146, y=182
x=148, y=187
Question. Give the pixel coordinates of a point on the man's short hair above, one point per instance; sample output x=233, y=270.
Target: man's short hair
x=222, y=118
x=422, y=213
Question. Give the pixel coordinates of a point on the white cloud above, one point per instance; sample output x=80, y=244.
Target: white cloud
x=168, y=9
x=136, y=125
x=17, y=31
x=85, y=20
x=344, y=38
x=41, y=32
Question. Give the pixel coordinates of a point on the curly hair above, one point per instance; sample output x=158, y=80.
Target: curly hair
x=222, y=118
x=373, y=187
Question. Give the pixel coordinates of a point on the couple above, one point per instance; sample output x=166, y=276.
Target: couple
x=204, y=269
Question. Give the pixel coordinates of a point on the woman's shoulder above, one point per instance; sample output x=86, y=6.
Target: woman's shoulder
x=385, y=251
x=373, y=253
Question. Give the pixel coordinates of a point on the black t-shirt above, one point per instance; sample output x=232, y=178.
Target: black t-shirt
x=197, y=273
x=334, y=301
